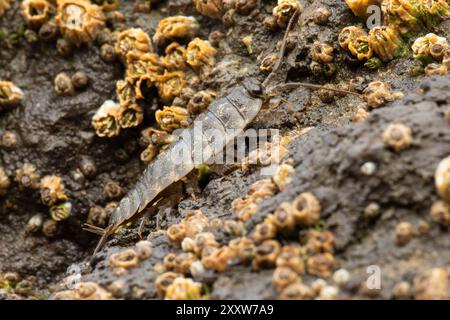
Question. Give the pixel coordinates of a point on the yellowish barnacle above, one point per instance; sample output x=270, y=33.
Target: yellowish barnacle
x=210, y=8
x=97, y=216
x=155, y=137
x=284, y=11
x=126, y=259
x=266, y=254
x=61, y=212
x=174, y=58
x=35, y=12
x=79, y=20
x=27, y=177
x=132, y=40
x=200, y=53
x=306, y=209
x=440, y=213
x=377, y=94
x=322, y=52
x=141, y=64
x=291, y=256
x=385, y=42
x=183, y=261
x=264, y=231
x=183, y=289
x=203, y=240
x=283, y=277
x=397, y=136
x=321, y=265
x=84, y=291
x=105, y=120
x=361, y=48
x=244, y=249
x=283, y=176
x=130, y=115
x=442, y=179
x=268, y=62
x=63, y=85
x=176, y=27
x=434, y=11
x=435, y=69
x=200, y=101
x=176, y=233
x=52, y=190
x=430, y=47
x=348, y=35
x=4, y=5
x=4, y=181
x=219, y=258
x=359, y=7
x=402, y=15
x=283, y=217
x=297, y=291
x=126, y=91
x=170, y=85
x=171, y=118
x=319, y=242
x=10, y=94
x=163, y=281
x=149, y=153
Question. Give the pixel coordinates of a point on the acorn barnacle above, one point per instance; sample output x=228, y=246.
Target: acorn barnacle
x=4, y=5
x=183, y=261
x=291, y=257
x=200, y=53
x=397, y=136
x=63, y=85
x=234, y=228
x=359, y=7
x=112, y=190
x=170, y=85
x=402, y=15
x=284, y=276
x=200, y=101
x=297, y=291
x=203, y=240
x=348, y=35
x=61, y=211
x=183, y=289
x=244, y=249
x=442, y=179
x=283, y=176
x=140, y=64
x=176, y=233
x=35, y=12
x=97, y=216
x=361, y=48
x=174, y=58
x=434, y=11
x=283, y=217
x=171, y=118
x=8, y=140
x=4, y=181
x=435, y=69
x=132, y=40
x=130, y=115
x=90, y=291
x=377, y=94
x=27, y=177
x=261, y=189
x=440, y=213
x=268, y=62
x=163, y=281
x=264, y=231
x=322, y=52
x=284, y=11
x=50, y=228
x=321, y=265
x=105, y=120
x=403, y=233
x=10, y=94
x=385, y=42
x=241, y=6
x=126, y=91
x=108, y=5
x=79, y=20
x=306, y=209
x=266, y=254
x=219, y=259
x=126, y=259
x=430, y=47
x=319, y=242
x=52, y=190
x=175, y=27
x=210, y=8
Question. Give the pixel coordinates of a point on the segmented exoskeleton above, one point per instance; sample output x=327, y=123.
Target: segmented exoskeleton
x=234, y=111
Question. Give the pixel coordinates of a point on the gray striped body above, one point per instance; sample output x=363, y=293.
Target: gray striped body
x=234, y=111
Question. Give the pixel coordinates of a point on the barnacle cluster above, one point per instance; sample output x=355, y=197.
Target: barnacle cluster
x=433, y=52
x=284, y=10
x=402, y=19
x=378, y=93
x=84, y=291
x=175, y=28
x=322, y=55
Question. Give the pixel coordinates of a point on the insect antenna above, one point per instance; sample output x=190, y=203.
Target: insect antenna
x=292, y=85
x=94, y=229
